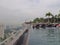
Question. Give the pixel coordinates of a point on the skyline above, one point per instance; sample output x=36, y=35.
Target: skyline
x=13, y=11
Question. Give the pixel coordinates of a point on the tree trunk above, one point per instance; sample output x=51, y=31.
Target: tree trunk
x=57, y=20
x=48, y=20
x=54, y=20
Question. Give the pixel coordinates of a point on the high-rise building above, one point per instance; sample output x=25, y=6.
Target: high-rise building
x=2, y=31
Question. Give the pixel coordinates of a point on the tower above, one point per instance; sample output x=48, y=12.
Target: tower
x=2, y=31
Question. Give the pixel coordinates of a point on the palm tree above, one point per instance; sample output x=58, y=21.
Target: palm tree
x=53, y=18
x=41, y=19
x=48, y=15
x=36, y=20
x=59, y=15
x=56, y=16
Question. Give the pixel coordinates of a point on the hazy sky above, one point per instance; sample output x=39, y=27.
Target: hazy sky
x=16, y=11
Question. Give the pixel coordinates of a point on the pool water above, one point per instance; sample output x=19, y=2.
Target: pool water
x=49, y=36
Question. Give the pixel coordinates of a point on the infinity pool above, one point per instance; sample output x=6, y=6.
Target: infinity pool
x=49, y=36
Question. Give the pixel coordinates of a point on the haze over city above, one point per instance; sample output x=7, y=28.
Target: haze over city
x=17, y=11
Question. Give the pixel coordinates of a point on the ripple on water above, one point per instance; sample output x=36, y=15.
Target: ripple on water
x=45, y=37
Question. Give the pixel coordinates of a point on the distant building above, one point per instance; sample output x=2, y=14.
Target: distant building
x=2, y=31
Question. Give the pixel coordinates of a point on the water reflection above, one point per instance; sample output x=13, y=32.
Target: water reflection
x=45, y=37
x=50, y=33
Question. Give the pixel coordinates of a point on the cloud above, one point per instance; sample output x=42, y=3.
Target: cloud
x=20, y=10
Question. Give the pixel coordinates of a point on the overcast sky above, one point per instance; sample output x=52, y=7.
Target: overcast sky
x=16, y=11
